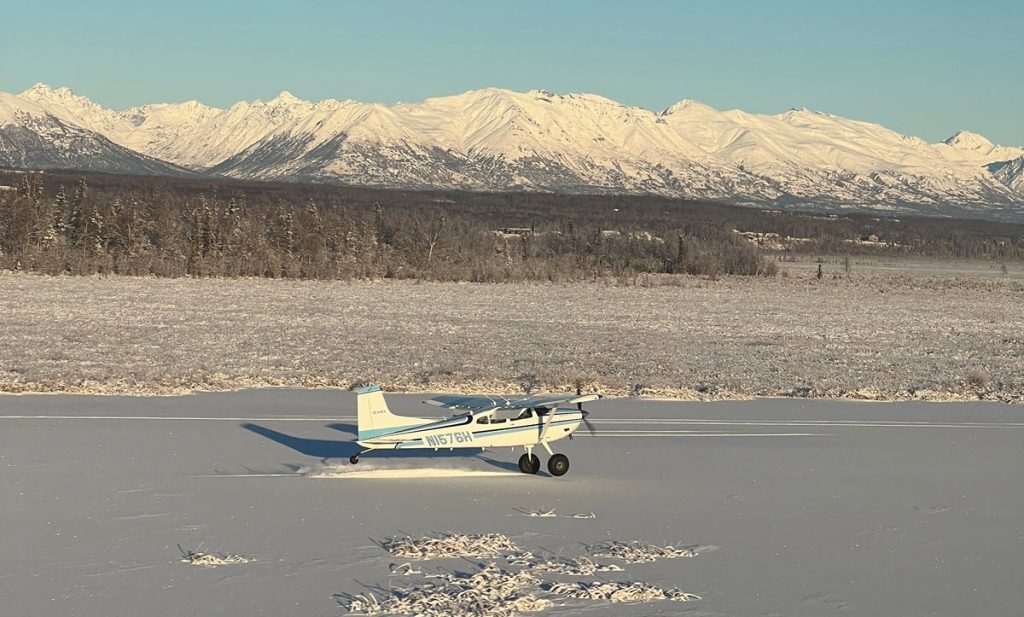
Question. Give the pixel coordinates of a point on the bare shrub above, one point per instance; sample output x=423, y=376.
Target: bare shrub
x=450, y=545
x=529, y=382
x=642, y=552
x=619, y=592
x=205, y=559
x=489, y=592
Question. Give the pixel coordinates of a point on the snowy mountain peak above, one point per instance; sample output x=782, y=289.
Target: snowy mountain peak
x=64, y=96
x=481, y=94
x=802, y=111
x=969, y=142
x=688, y=105
x=194, y=104
x=285, y=98
x=282, y=100
x=41, y=89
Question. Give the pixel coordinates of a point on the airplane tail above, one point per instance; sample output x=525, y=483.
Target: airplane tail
x=373, y=416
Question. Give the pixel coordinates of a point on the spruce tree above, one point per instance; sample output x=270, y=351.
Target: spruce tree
x=60, y=210
x=77, y=217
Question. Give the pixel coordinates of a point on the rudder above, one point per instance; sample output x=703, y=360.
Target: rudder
x=373, y=416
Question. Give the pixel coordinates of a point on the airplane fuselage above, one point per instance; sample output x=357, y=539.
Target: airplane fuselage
x=479, y=431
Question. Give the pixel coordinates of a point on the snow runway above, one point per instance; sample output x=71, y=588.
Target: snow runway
x=900, y=508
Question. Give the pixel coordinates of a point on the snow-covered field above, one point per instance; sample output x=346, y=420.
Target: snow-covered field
x=243, y=503
x=889, y=332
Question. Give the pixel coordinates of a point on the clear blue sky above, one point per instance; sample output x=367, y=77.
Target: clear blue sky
x=922, y=68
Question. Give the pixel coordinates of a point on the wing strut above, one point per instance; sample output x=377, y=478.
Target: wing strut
x=548, y=417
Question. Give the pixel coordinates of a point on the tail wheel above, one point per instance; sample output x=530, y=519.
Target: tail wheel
x=558, y=464
x=529, y=463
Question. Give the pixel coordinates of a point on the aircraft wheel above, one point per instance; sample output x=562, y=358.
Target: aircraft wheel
x=529, y=463
x=558, y=464
x=353, y=459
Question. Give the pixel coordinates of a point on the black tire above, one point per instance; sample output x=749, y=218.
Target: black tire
x=353, y=459
x=529, y=463
x=558, y=464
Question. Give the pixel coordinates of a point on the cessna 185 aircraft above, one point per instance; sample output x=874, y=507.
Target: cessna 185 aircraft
x=479, y=422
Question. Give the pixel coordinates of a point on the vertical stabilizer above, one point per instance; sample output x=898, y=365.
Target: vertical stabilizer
x=373, y=416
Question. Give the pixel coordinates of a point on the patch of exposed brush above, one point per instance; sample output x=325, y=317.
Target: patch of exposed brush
x=642, y=552
x=450, y=545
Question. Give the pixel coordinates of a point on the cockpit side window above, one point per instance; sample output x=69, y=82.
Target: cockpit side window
x=526, y=413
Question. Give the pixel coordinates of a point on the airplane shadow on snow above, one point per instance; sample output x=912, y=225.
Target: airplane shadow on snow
x=327, y=448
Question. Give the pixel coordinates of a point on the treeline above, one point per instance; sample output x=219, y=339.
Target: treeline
x=69, y=223
x=137, y=230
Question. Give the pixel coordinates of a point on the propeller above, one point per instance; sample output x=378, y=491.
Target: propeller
x=579, y=406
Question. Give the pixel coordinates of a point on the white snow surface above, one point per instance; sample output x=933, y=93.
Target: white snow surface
x=896, y=509
x=499, y=139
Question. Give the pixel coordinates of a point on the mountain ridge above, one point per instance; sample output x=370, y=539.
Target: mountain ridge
x=33, y=137
x=497, y=139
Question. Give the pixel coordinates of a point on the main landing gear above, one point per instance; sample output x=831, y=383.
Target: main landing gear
x=558, y=464
x=529, y=463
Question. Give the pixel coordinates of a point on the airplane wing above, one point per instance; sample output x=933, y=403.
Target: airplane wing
x=486, y=403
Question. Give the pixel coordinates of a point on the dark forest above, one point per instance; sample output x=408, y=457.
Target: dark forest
x=73, y=223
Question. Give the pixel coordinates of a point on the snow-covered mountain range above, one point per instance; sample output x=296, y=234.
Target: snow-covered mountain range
x=34, y=138
x=494, y=139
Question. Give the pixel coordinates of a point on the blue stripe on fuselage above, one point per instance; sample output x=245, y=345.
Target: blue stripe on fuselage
x=458, y=421
x=531, y=427
x=398, y=430
x=377, y=432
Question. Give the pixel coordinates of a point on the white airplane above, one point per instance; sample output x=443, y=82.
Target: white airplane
x=480, y=422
